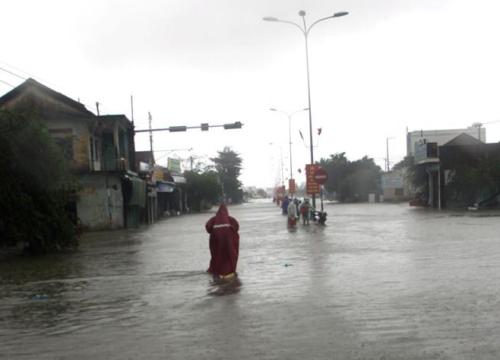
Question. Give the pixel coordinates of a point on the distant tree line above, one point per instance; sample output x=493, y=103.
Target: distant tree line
x=351, y=181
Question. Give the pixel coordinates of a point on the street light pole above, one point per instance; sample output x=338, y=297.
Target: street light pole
x=305, y=31
x=281, y=163
x=289, y=115
x=388, y=166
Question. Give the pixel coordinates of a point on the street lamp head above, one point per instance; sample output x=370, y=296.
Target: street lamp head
x=341, y=13
x=305, y=109
x=270, y=18
x=302, y=13
x=273, y=109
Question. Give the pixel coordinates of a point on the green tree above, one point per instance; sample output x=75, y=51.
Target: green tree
x=228, y=166
x=415, y=175
x=351, y=181
x=203, y=189
x=262, y=193
x=35, y=186
x=336, y=167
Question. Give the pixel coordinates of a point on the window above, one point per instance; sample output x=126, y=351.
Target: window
x=66, y=145
x=94, y=149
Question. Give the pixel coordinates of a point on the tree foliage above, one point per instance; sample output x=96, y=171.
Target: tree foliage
x=415, y=175
x=35, y=184
x=351, y=180
x=203, y=188
x=228, y=166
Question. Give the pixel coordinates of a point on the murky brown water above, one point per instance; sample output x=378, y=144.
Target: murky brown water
x=379, y=282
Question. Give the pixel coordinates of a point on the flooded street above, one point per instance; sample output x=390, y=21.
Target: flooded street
x=380, y=281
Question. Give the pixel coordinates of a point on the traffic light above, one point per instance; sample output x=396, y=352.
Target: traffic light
x=236, y=125
x=177, y=128
x=204, y=127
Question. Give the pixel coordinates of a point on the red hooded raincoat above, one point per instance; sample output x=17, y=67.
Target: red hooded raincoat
x=224, y=242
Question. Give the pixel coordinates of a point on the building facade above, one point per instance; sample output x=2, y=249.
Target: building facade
x=440, y=137
x=99, y=149
x=464, y=172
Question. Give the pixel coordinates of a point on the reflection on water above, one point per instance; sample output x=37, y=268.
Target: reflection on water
x=377, y=281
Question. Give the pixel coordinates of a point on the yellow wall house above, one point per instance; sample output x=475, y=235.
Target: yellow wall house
x=100, y=150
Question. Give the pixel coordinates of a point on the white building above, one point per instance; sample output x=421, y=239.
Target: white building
x=394, y=185
x=441, y=137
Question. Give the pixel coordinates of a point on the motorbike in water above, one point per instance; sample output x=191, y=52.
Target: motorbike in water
x=319, y=216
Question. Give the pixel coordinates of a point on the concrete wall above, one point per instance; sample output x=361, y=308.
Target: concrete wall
x=100, y=206
x=394, y=187
x=81, y=138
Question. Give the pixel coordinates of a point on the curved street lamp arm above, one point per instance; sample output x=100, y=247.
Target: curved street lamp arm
x=294, y=24
x=281, y=111
x=297, y=111
x=289, y=114
x=317, y=21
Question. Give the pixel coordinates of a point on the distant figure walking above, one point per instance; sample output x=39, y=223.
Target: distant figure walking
x=224, y=243
x=284, y=205
x=292, y=214
x=305, y=211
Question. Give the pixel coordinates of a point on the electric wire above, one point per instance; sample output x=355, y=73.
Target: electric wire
x=92, y=107
x=7, y=83
x=12, y=73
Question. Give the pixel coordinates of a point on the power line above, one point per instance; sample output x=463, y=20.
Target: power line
x=16, y=68
x=35, y=77
x=12, y=73
x=6, y=83
x=27, y=74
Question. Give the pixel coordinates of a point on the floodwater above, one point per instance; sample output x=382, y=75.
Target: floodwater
x=380, y=281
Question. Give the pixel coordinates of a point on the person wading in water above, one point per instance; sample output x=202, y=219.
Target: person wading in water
x=224, y=244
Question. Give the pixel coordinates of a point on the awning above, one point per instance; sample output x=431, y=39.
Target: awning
x=179, y=179
x=165, y=186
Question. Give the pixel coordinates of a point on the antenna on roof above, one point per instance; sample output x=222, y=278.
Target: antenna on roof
x=150, y=134
x=132, y=109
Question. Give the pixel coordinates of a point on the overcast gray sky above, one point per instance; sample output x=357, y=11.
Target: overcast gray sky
x=390, y=64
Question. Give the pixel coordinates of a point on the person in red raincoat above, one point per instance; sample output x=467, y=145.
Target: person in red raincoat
x=224, y=243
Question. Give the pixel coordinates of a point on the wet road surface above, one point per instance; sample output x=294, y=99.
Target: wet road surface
x=379, y=281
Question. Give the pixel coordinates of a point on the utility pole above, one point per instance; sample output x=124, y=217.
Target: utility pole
x=150, y=133
x=387, y=154
x=97, y=107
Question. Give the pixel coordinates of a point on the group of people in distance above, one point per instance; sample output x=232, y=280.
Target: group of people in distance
x=296, y=209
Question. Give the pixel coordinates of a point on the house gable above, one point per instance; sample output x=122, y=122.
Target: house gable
x=41, y=100
x=68, y=121
x=463, y=140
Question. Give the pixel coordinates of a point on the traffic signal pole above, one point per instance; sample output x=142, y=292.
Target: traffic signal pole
x=203, y=127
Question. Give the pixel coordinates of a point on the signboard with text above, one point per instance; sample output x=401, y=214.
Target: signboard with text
x=174, y=165
x=320, y=176
x=279, y=192
x=312, y=187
